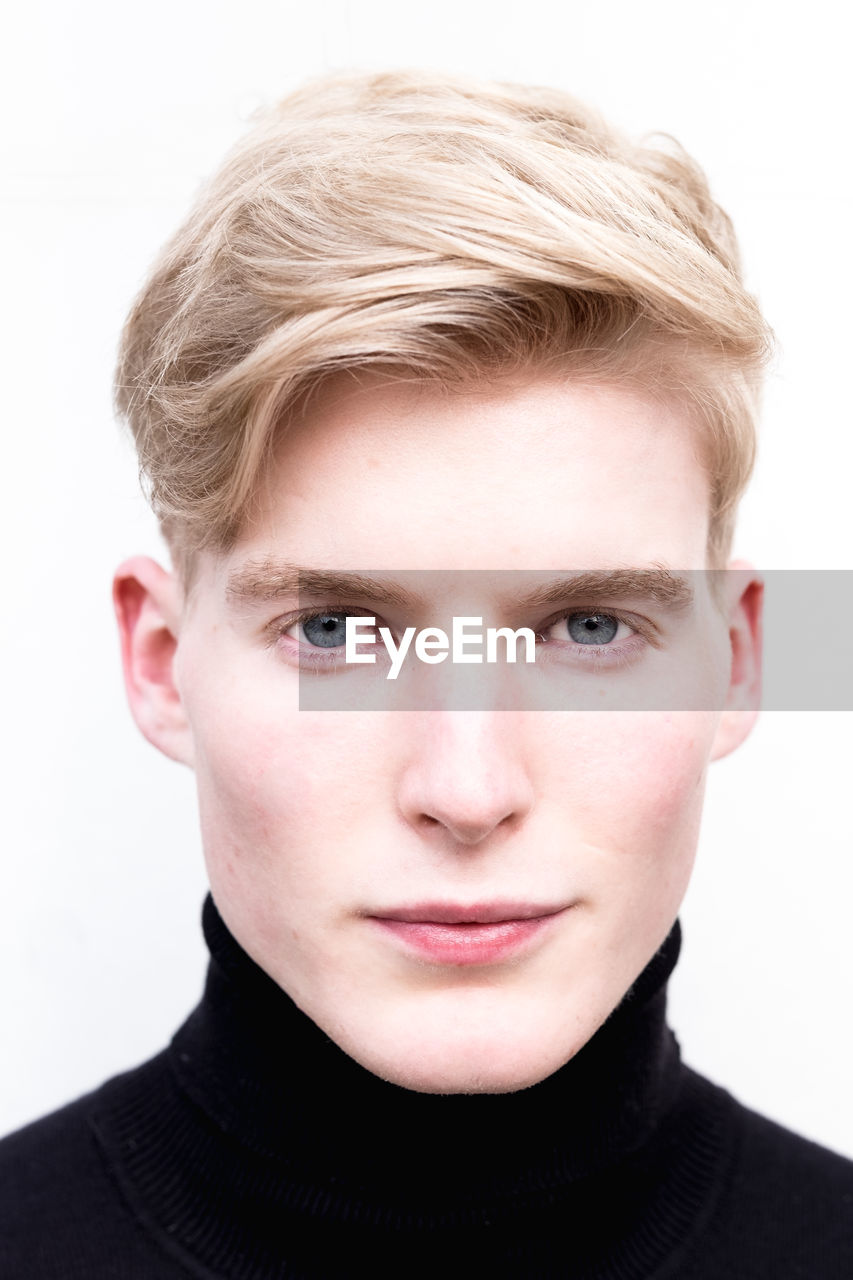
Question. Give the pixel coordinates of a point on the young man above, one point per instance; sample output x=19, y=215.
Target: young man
x=429, y=350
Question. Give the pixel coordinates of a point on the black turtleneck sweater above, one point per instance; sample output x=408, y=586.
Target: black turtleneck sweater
x=253, y=1148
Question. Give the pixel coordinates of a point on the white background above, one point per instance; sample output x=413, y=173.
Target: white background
x=112, y=115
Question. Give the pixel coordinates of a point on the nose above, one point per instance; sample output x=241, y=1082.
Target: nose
x=466, y=777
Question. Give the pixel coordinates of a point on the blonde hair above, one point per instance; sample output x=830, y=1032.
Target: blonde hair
x=450, y=228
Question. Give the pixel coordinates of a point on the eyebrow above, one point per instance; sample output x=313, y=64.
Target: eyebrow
x=261, y=581
x=663, y=586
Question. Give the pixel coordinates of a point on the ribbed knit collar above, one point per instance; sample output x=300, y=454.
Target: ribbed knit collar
x=254, y=1125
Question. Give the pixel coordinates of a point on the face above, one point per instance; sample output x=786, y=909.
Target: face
x=458, y=898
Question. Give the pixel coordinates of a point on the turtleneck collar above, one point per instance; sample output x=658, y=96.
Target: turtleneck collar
x=253, y=1117
x=248, y=1051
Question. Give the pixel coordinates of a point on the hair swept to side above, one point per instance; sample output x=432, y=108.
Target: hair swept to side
x=454, y=229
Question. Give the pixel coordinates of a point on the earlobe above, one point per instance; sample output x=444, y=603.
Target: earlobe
x=147, y=603
x=744, y=607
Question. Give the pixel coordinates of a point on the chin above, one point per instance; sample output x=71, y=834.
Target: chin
x=500, y=1055
x=467, y=1077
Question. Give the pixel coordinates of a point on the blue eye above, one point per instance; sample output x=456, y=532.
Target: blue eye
x=326, y=630
x=592, y=628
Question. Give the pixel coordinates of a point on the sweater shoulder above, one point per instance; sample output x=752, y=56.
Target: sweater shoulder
x=792, y=1153
x=62, y=1215
x=786, y=1208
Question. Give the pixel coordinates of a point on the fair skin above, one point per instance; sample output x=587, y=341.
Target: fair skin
x=319, y=824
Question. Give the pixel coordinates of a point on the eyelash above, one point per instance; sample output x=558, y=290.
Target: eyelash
x=328, y=660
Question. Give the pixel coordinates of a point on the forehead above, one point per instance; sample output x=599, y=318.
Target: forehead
x=536, y=472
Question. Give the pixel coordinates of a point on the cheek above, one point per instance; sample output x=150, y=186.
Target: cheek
x=276, y=788
x=636, y=780
x=272, y=778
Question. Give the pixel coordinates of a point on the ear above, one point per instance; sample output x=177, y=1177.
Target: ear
x=148, y=603
x=744, y=607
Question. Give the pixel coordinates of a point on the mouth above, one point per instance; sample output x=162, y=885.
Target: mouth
x=479, y=934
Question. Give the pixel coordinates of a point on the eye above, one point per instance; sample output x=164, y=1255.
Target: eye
x=589, y=627
x=315, y=639
x=592, y=628
x=322, y=630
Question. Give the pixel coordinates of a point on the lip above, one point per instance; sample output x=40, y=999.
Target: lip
x=476, y=934
x=495, y=912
